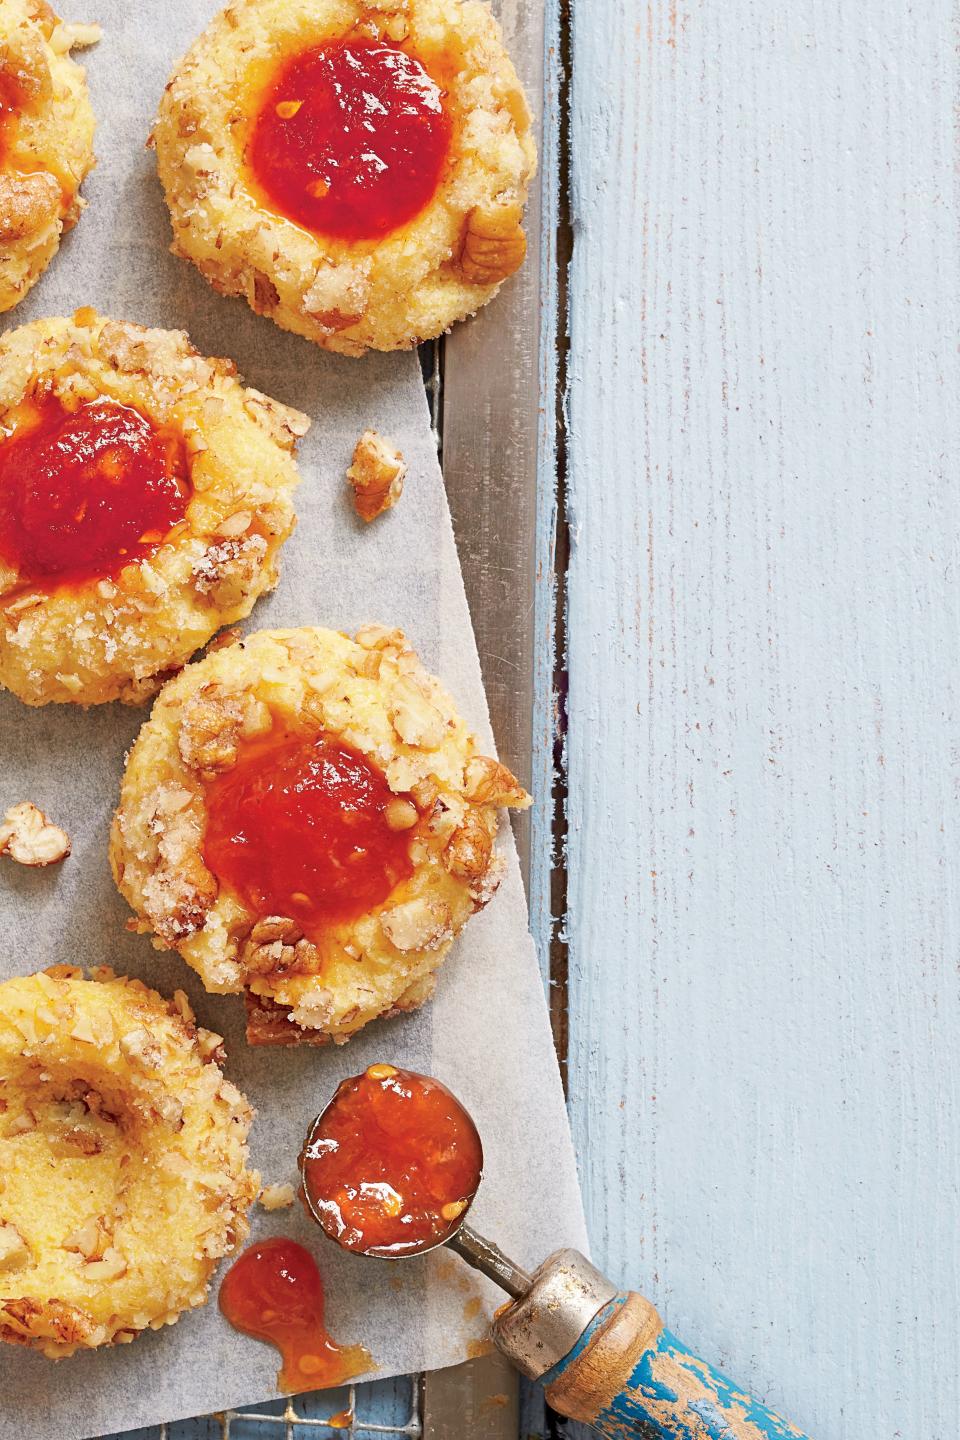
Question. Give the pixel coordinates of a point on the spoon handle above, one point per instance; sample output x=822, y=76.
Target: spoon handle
x=606, y=1359
x=628, y=1376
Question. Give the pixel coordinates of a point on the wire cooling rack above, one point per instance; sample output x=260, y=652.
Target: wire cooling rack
x=384, y=1408
x=348, y=1421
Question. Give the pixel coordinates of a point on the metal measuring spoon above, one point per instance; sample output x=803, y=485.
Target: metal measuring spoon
x=603, y=1356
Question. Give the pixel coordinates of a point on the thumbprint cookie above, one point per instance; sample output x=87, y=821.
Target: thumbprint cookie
x=356, y=169
x=46, y=139
x=123, y=1151
x=307, y=820
x=144, y=497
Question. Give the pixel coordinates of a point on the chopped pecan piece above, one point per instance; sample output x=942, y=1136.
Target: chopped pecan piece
x=277, y=1197
x=400, y=814
x=180, y=890
x=490, y=783
x=210, y=1045
x=275, y=927
x=378, y=637
x=494, y=244
x=270, y=1024
x=90, y=1240
x=377, y=475
x=339, y=294
x=284, y=424
x=278, y=956
x=139, y=1045
x=266, y=296
x=77, y=35
x=467, y=853
x=62, y=1322
x=28, y=837
x=414, y=716
x=418, y=924
x=227, y=570
x=111, y=1267
x=210, y=730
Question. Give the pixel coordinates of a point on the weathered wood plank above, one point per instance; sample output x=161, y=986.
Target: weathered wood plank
x=492, y=443
x=764, y=664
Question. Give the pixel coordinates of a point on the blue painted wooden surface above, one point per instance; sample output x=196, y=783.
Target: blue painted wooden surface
x=764, y=690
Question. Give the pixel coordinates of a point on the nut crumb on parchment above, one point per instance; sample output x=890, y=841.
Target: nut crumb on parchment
x=376, y=475
x=30, y=838
x=277, y=1197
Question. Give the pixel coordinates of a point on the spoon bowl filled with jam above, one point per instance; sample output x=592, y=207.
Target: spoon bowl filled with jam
x=390, y=1167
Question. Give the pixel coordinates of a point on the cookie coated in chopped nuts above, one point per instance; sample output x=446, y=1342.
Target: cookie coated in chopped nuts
x=413, y=281
x=46, y=147
x=120, y=637
x=369, y=692
x=123, y=1156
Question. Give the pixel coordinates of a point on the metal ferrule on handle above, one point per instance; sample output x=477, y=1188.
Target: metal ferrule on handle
x=618, y=1369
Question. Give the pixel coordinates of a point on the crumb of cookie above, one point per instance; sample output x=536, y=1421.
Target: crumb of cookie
x=376, y=475
x=30, y=838
x=277, y=1197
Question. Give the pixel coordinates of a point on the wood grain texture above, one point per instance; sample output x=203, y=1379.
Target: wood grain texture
x=764, y=685
x=492, y=442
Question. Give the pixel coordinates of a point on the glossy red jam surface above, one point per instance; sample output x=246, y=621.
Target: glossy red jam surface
x=297, y=828
x=274, y=1292
x=351, y=139
x=393, y=1163
x=84, y=492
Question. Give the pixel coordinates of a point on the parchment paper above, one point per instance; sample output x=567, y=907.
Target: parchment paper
x=486, y=1032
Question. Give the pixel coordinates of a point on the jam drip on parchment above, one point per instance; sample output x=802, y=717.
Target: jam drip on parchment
x=274, y=1293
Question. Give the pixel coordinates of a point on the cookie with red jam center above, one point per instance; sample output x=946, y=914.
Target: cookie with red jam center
x=144, y=498
x=309, y=822
x=46, y=139
x=358, y=172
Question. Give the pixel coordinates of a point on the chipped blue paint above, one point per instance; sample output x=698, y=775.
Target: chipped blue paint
x=723, y=1411
x=706, y=1405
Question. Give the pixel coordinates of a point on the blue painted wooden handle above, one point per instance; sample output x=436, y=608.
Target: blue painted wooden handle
x=628, y=1376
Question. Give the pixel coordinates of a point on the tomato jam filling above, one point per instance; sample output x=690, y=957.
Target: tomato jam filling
x=299, y=827
x=274, y=1293
x=84, y=492
x=351, y=139
x=392, y=1164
